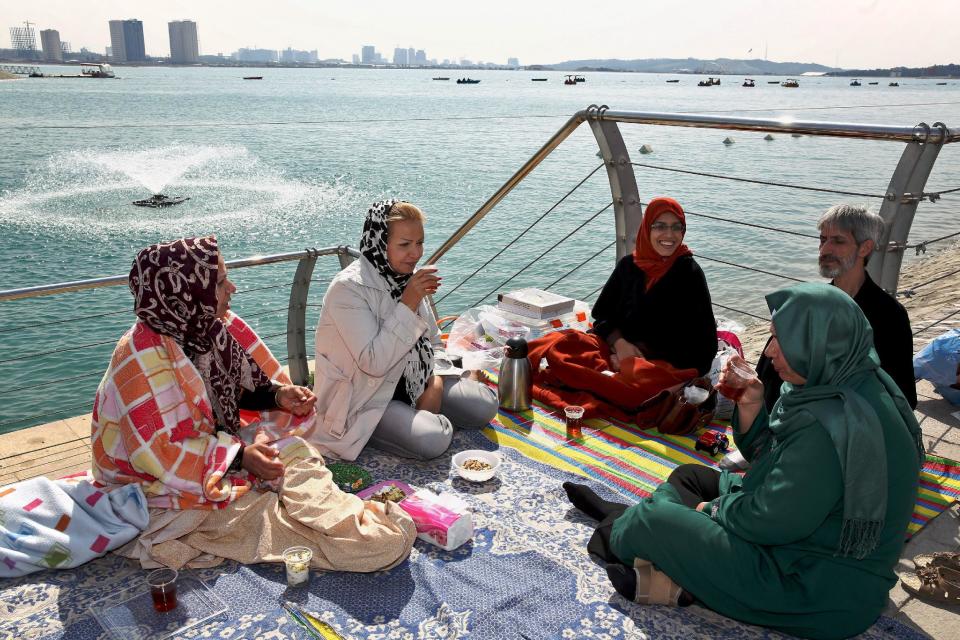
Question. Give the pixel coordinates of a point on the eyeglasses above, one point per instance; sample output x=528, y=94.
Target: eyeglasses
x=676, y=227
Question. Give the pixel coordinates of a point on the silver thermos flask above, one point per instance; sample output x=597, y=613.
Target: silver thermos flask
x=515, y=384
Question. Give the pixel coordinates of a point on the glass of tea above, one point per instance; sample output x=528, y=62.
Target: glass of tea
x=574, y=414
x=163, y=589
x=735, y=377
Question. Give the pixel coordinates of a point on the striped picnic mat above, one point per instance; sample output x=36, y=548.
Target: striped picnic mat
x=634, y=462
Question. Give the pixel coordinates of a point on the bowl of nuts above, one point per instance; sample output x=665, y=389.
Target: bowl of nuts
x=476, y=465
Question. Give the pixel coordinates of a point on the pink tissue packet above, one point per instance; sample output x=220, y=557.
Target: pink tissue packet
x=443, y=520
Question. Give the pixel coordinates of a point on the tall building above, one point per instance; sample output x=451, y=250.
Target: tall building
x=421, y=57
x=52, y=47
x=356, y=59
x=411, y=55
x=400, y=57
x=255, y=55
x=184, y=44
x=24, y=41
x=368, y=54
x=513, y=62
x=126, y=41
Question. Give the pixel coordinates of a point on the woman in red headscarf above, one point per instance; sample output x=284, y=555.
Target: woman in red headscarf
x=653, y=326
x=656, y=304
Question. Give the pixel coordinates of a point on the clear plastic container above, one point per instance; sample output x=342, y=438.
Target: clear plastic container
x=134, y=617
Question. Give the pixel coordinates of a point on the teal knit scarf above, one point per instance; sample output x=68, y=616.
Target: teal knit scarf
x=825, y=338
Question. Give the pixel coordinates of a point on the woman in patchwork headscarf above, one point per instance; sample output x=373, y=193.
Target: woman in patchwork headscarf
x=179, y=380
x=375, y=364
x=196, y=410
x=806, y=542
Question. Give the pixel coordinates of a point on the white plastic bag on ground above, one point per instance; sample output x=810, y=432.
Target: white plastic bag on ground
x=479, y=336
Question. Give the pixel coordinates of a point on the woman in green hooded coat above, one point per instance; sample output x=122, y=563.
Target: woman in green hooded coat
x=806, y=542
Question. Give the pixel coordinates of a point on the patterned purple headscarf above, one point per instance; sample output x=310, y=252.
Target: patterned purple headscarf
x=174, y=288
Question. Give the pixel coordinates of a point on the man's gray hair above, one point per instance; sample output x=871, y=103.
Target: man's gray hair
x=856, y=219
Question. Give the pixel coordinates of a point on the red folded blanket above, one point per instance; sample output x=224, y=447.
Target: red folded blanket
x=574, y=375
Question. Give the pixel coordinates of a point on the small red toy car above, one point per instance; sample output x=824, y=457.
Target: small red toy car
x=713, y=442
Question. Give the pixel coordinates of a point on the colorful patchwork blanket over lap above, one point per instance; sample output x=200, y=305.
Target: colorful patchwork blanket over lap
x=153, y=424
x=59, y=524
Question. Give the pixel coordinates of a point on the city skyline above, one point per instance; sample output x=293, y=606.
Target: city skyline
x=856, y=34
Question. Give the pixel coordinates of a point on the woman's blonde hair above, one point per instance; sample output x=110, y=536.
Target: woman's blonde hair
x=405, y=211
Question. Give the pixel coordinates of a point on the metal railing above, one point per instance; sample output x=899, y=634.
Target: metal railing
x=904, y=193
x=899, y=203
x=295, y=309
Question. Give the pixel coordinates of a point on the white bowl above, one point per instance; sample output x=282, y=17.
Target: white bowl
x=476, y=454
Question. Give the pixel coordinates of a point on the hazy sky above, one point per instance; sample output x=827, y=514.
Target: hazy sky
x=848, y=33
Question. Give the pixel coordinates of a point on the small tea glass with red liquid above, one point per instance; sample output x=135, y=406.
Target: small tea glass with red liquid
x=163, y=589
x=735, y=377
x=574, y=414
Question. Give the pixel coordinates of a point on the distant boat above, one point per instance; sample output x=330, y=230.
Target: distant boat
x=790, y=83
x=873, y=83
x=442, y=78
x=569, y=80
x=748, y=82
x=854, y=83
x=773, y=82
x=941, y=83
x=538, y=79
x=253, y=77
x=673, y=81
x=467, y=81
x=709, y=82
x=894, y=84
x=579, y=79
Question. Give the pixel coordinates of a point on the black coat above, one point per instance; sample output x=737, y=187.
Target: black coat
x=673, y=321
x=892, y=338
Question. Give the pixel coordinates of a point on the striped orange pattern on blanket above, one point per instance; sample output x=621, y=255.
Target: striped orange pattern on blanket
x=152, y=422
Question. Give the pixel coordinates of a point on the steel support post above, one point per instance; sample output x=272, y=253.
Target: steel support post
x=623, y=183
x=898, y=209
x=297, y=318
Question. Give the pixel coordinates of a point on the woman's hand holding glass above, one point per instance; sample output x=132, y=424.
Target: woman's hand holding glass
x=739, y=382
x=424, y=282
x=297, y=400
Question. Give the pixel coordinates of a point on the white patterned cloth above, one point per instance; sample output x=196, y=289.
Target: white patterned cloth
x=59, y=524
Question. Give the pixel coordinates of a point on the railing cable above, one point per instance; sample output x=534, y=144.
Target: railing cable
x=742, y=266
x=30, y=356
x=37, y=385
x=549, y=249
x=746, y=313
x=921, y=247
x=940, y=321
x=751, y=224
x=38, y=325
x=908, y=293
x=754, y=181
x=547, y=288
x=521, y=234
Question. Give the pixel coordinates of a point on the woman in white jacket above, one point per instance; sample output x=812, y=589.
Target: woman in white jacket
x=375, y=379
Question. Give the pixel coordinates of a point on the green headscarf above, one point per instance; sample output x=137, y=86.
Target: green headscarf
x=825, y=338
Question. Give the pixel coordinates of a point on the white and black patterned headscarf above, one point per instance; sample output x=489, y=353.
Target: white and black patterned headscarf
x=373, y=247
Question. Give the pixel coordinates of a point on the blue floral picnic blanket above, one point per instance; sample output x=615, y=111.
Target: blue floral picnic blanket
x=526, y=574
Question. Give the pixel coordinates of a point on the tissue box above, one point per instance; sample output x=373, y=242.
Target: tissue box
x=443, y=520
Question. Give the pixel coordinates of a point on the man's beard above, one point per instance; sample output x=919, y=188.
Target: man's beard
x=836, y=267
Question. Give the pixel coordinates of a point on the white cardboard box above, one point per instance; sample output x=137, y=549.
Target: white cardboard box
x=535, y=303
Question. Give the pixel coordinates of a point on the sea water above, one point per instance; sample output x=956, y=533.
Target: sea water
x=294, y=161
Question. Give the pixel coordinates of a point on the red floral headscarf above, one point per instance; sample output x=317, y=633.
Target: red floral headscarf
x=644, y=255
x=174, y=288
